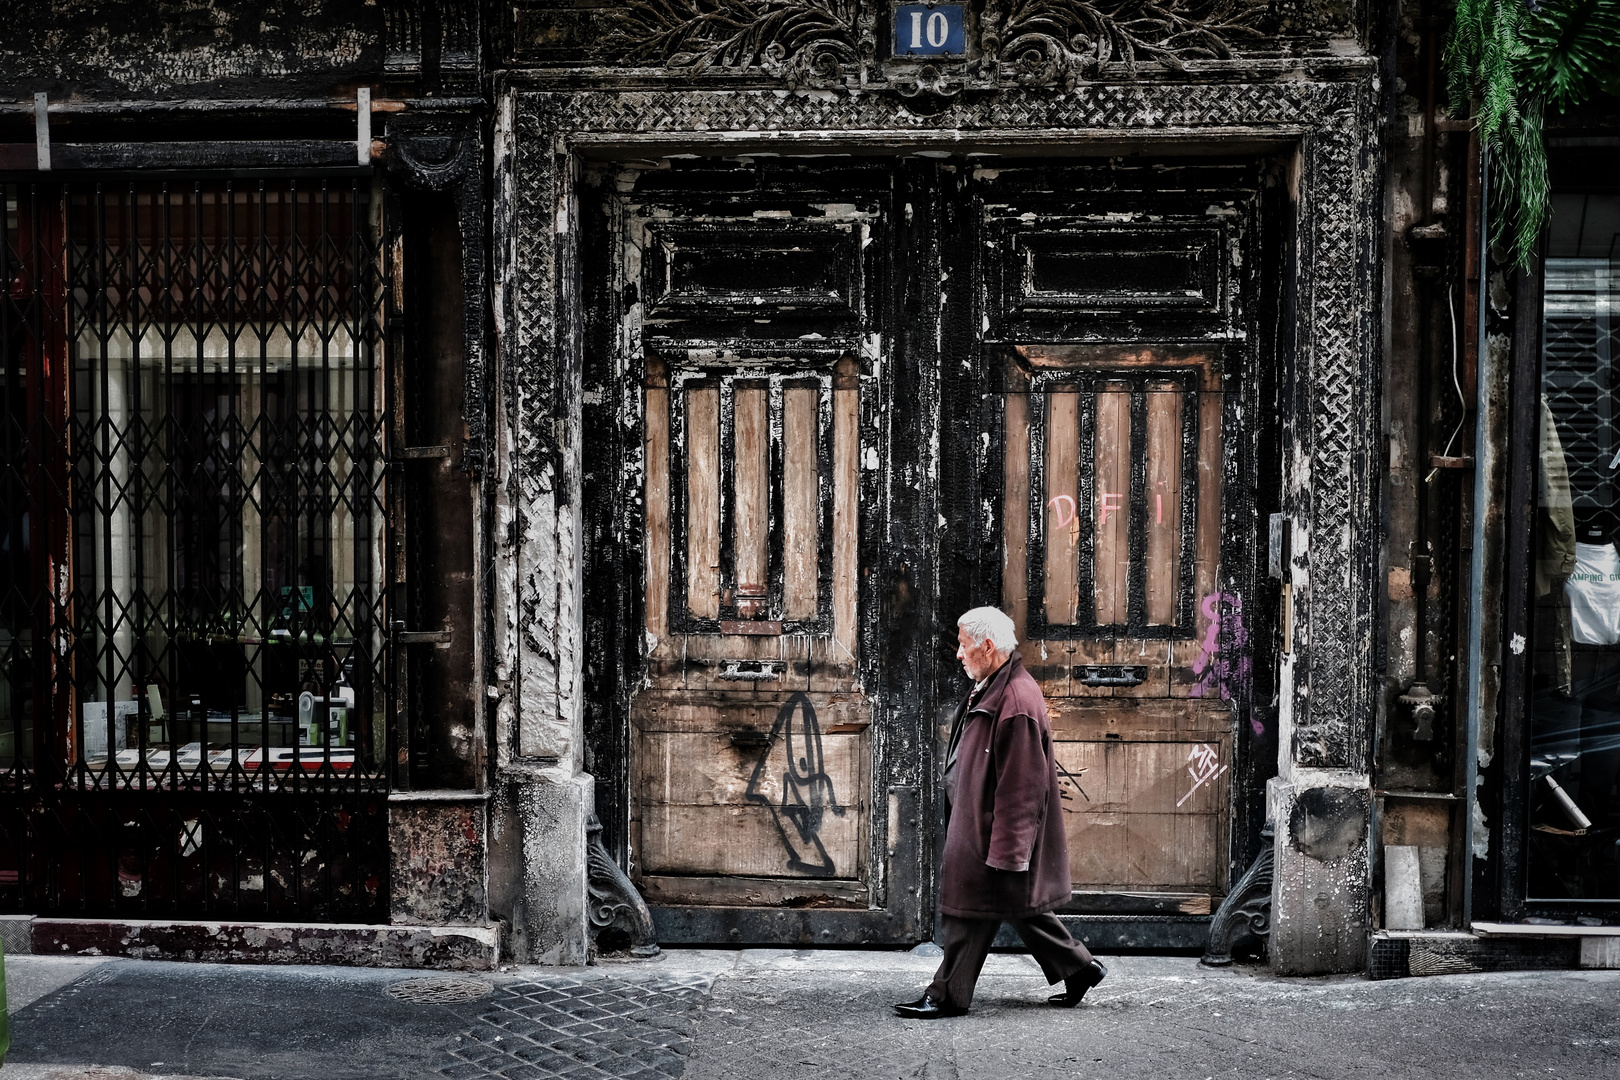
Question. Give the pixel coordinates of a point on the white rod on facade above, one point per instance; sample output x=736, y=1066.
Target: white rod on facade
x=42, y=132
x=362, y=138
x=1484, y=371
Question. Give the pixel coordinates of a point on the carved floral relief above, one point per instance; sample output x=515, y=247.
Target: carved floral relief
x=814, y=42
x=828, y=43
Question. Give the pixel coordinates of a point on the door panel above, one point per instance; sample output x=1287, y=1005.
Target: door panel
x=791, y=333
x=1113, y=488
x=1115, y=322
x=750, y=742
x=750, y=745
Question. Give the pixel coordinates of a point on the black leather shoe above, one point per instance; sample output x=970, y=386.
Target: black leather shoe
x=1076, y=985
x=928, y=1009
x=919, y=1003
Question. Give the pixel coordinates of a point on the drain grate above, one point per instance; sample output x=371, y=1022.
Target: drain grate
x=438, y=991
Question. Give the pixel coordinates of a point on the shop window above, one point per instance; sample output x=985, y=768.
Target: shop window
x=192, y=567
x=1573, y=839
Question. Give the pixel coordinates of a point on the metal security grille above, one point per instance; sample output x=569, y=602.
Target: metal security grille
x=194, y=697
x=1578, y=378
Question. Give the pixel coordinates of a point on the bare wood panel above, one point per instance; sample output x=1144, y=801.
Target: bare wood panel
x=1141, y=776
x=752, y=840
x=735, y=781
x=1149, y=656
x=831, y=667
x=1112, y=512
x=657, y=515
x=733, y=662
x=846, y=504
x=723, y=711
x=1062, y=509
x=751, y=507
x=703, y=501
x=760, y=892
x=1082, y=719
x=1083, y=357
x=710, y=768
x=1049, y=662
x=1163, y=547
x=1136, y=851
x=1015, y=514
x=1150, y=902
x=1137, y=817
x=801, y=481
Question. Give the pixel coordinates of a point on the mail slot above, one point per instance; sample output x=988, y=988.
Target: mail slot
x=752, y=670
x=1110, y=674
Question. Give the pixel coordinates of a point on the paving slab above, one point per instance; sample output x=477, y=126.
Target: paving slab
x=1158, y=1017
x=786, y=1013
x=29, y=978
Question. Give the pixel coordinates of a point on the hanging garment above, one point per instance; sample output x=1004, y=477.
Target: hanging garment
x=1555, y=538
x=1593, y=589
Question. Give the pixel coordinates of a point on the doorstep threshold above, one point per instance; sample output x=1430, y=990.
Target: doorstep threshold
x=1500, y=929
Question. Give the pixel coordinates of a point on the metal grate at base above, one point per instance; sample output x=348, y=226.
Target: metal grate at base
x=438, y=991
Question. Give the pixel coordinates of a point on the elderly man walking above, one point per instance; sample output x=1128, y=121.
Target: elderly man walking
x=1006, y=858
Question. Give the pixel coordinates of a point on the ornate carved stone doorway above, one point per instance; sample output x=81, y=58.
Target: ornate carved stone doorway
x=1316, y=129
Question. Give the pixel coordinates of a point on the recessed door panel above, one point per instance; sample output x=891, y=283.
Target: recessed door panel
x=750, y=729
x=1113, y=462
x=750, y=725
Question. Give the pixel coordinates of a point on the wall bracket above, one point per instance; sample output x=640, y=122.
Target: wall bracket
x=1246, y=911
x=614, y=901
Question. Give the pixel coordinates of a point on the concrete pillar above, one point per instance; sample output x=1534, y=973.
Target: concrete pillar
x=545, y=798
x=1319, y=916
x=552, y=808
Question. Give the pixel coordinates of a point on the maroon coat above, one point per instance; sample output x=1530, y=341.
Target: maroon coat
x=1005, y=853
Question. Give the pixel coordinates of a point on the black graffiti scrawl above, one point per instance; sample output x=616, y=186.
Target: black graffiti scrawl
x=794, y=748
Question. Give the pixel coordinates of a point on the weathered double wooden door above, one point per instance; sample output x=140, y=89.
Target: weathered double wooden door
x=831, y=405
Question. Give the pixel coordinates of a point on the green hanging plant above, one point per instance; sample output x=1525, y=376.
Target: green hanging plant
x=1513, y=60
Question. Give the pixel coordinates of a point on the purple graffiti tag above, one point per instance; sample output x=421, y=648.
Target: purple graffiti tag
x=1219, y=672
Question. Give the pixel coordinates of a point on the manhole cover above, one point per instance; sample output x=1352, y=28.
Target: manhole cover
x=438, y=991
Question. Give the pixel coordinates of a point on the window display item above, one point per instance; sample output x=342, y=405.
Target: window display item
x=1555, y=549
x=1593, y=589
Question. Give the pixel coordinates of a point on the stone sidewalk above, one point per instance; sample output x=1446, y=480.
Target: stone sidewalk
x=764, y=1014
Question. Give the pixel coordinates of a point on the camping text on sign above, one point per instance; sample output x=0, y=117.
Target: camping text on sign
x=929, y=30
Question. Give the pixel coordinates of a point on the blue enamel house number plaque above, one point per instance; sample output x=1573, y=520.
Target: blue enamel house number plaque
x=929, y=30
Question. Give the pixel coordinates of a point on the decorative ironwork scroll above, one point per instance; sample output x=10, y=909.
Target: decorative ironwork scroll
x=805, y=42
x=1246, y=911
x=1047, y=42
x=615, y=903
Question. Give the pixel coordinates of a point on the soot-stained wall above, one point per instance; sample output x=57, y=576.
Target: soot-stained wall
x=571, y=84
x=1324, y=73
x=188, y=48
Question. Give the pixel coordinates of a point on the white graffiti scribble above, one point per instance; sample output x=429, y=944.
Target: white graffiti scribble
x=1203, y=765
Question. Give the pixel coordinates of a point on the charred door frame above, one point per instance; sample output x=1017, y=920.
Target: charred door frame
x=1327, y=405
x=1249, y=350
x=894, y=548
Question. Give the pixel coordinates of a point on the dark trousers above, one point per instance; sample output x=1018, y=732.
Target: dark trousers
x=967, y=943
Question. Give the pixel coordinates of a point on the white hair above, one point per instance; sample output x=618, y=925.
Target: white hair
x=990, y=624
